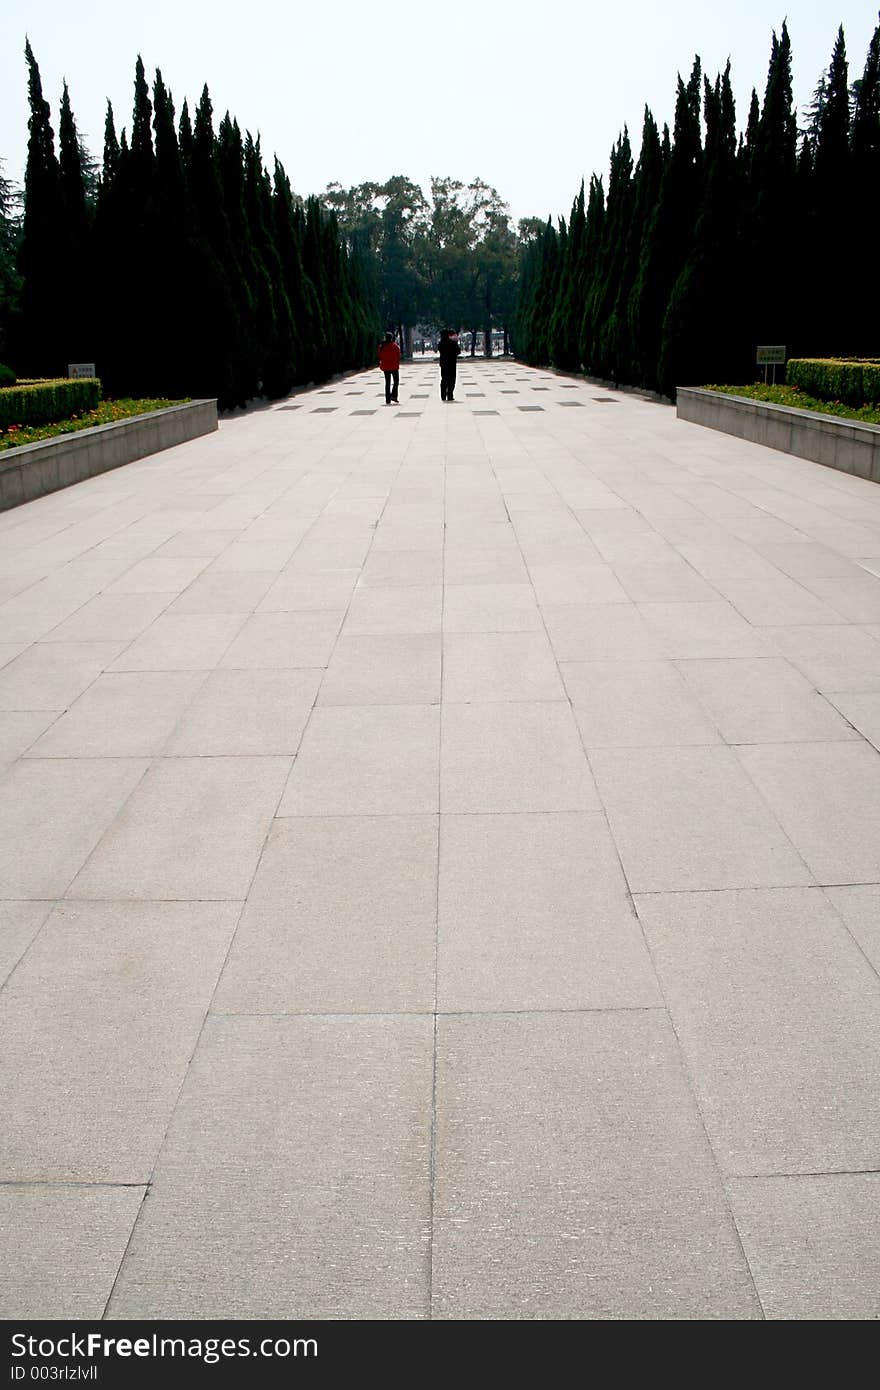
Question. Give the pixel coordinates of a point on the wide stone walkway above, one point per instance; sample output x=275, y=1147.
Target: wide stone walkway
x=440, y=869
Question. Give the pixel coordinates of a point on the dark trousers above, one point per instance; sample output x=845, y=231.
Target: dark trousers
x=447, y=382
x=391, y=382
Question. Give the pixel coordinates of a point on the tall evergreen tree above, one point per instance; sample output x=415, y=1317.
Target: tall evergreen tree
x=864, y=335
x=10, y=283
x=769, y=226
x=74, y=241
x=39, y=348
x=702, y=320
x=600, y=351
x=565, y=321
x=669, y=235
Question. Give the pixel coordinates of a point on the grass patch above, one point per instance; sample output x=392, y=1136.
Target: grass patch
x=793, y=396
x=104, y=414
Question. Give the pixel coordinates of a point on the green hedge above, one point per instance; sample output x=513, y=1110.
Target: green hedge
x=852, y=382
x=7, y=375
x=44, y=402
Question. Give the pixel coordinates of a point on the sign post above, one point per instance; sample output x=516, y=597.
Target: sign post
x=771, y=357
x=80, y=369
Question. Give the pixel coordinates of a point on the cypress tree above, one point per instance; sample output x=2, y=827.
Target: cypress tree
x=620, y=344
x=185, y=137
x=75, y=242
x=593, y=241
x=227, y=310
x=669, y=235
x=110, y=166
x=701, y=324
x=769, y=225
x=864, y=335
x=10, y=283
x=601, y=353
x=564, y=329
x=38, y=349
x=834, y=209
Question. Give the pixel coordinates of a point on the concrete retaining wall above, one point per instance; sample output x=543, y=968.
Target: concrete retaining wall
x=35, y=469
x=837, y=443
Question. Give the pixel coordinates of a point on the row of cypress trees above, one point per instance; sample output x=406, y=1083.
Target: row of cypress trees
x=713, y=244
x=182, y=268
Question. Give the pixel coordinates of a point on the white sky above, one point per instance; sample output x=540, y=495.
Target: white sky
x=529, y=96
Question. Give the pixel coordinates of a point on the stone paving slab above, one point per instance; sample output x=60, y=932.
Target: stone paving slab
x=462, y=826
x=62, y=1248
x=295, y=1180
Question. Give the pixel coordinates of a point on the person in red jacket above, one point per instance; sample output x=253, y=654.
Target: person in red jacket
x=389, y=361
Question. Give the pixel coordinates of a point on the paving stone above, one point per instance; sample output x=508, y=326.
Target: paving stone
x=776, y=1010
x=856, y=597
x=534, y=914
x=513, y=757
x=341, y=918
x=194, y=829
x=634, y=704
x=63, y=1246
x=19, y=924
x=300, y=1150
x=194, y=541
x=296, y=591
x=52, y=814
x=274, y=641
x=613, y=632
x=764, y=700
x=688, y=818
x=402, y=568
x=693, y=630
x=490, y=608
x=181, y=642
x=859, y=906
x=219, y=592
x=834, y=657
x=123, y=714
x=776, y=603
x=254, y=556
x=159, y=576
x=556, y=585
x=395, y=609
x=20, y=729
x=50, y=676
x=246, y=713
x=484, y=667
x=633, y=547
x=384, y=670
x=811, y=1243
x=827, y=798
x=366, y=761
x=110, y=618
x=573, y=1179
x=718, y=562
x=98, y=1025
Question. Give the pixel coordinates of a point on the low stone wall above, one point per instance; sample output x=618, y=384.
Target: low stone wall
x=847, y=445
x=35, y=469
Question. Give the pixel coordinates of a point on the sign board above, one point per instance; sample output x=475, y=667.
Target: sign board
x=771, y=356
x=80, y=369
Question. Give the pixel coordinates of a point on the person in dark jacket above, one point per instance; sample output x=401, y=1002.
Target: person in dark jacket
x=449, y=350
x=389, y=361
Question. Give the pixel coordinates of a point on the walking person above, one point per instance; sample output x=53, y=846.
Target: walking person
x=389, y=361
x=449, y=349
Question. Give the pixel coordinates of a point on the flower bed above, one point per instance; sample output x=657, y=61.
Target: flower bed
x=104, y=414
x=798, y=399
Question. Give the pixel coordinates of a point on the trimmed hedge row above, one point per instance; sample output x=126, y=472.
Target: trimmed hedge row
x=44, y=402
x=852, y=382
